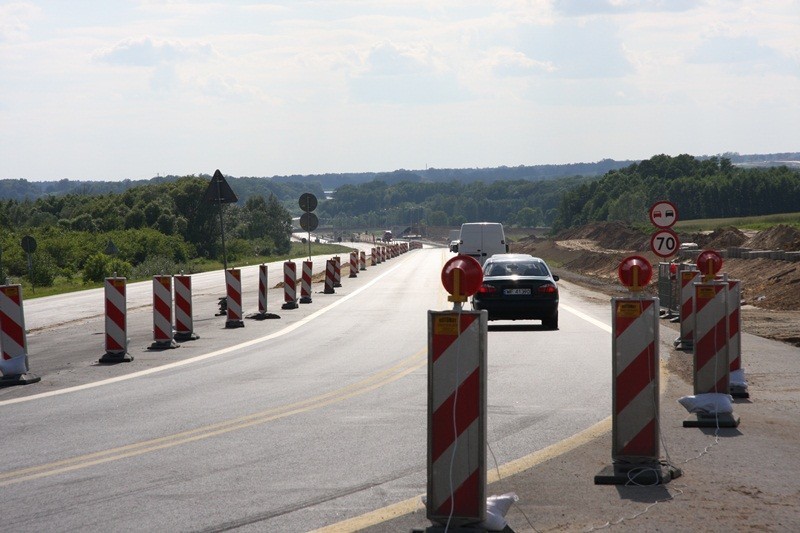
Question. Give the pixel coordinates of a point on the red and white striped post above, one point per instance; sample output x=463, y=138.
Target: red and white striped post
x=635, y=390
x=233, y=286
x=373, y=261
x=184, y=322
x=337, y=271
x=362, y=262
x=330, y=276
x=711, y=363
x=262, y=289
x=13, y=339
x=305, y=282
x=353, y=264
x=289, y=285
x=688, y=278
x=162, y=314
x=116, y=322
x=738, y=384
x=457, y=370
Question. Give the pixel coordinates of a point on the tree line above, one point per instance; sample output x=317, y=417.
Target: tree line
x=152, y=227
x=708, y=188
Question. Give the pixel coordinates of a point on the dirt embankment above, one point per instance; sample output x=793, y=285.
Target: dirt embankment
x=770, y=288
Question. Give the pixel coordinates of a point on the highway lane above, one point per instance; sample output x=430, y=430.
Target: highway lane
x=298, y=431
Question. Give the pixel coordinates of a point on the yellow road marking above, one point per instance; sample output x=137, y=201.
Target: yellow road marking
x=384, y=377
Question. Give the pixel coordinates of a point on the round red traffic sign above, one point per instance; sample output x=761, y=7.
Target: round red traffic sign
x=709, y=262
x=464, y=271
x=663, y=214
x=635, y=272
x=665, y=243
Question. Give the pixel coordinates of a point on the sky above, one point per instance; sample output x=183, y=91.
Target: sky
x=113, y=90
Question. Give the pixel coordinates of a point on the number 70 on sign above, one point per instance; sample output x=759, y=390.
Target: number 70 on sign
x=664, y=243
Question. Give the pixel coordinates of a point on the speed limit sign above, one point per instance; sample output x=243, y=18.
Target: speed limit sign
x=664, y=243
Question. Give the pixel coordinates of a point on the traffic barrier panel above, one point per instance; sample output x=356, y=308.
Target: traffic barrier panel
x=262, y=288
x=711, y=363
x=353, y=264
x=330, y=276
x=337, y=271
x=233, y=285
x=373, y=261
x=457, y=347
x=184, y=322
x=305, y=282
x=362, y=261
x=635, y=394
x=116, y=305
x=162, y=314
x=738, y=386
x=13, y=339
x=687, y=280
x=289, y=285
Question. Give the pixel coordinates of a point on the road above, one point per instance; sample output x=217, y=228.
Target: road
x=284, y=425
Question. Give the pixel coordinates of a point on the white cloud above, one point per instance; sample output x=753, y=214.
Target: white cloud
x=506, y=62
x=147, y=52
x=15, y=20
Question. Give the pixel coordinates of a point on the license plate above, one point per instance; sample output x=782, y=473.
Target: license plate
x=517, y=292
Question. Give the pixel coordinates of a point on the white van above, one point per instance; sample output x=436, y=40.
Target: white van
x=482, y=240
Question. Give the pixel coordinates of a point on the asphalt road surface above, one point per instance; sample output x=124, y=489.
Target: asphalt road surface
x=283, y=425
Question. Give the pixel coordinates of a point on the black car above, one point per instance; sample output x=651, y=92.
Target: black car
x=518, y=287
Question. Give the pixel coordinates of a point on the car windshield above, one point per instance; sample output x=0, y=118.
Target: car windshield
x=519, y=268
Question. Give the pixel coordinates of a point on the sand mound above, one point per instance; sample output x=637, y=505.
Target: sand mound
x=612, y=235
x=780, y=237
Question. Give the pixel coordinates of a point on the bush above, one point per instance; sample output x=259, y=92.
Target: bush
x=96, y=268
x=43, y=269
x=153, y=266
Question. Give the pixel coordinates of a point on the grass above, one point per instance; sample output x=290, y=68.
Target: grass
x=754, y=223
x=63, y=285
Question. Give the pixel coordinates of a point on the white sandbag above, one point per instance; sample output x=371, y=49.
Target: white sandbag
x=708, y=404
x=737, y=378
x=496, y=509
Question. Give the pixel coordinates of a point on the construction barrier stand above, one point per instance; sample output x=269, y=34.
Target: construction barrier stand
x=184, y=321
x=162, y=314
x=305, y=282
x=13, y=339
x=457, y=348
x=233, y=287
x=116, y=306
x=687, y=280
x=289, y=285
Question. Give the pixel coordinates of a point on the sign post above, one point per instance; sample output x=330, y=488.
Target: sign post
x=308, y=220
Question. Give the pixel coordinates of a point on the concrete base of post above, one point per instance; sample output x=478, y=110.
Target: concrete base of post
x=164, y=345
x=232, y=324
x=19, y=379
x=305, y=300
x=683, y=345
x=637, y=474
x=462, y=529
x=290, y=305
x=183, y=337
x=722, y=420
x=113, y=358
x=263, y=316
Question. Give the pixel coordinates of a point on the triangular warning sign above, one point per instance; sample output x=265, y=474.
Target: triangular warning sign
x=219, y=191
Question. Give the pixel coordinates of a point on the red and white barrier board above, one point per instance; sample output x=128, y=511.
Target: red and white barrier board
x=330, y=276
x=233, y=286
x=457, y=348
x=289, y=285
x=739, y=389
x=362, y=261
x=162, y=313
x=687, y=280
x=184, y=321
x=262, y=288
x=116, y=306
x=353, y=264
x=305, y=282
x=13, y=339
x=635, y=360
x=337, y=271
x=373, y=261
x=711, y=364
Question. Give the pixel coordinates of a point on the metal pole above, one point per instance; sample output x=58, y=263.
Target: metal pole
x=221, y=226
